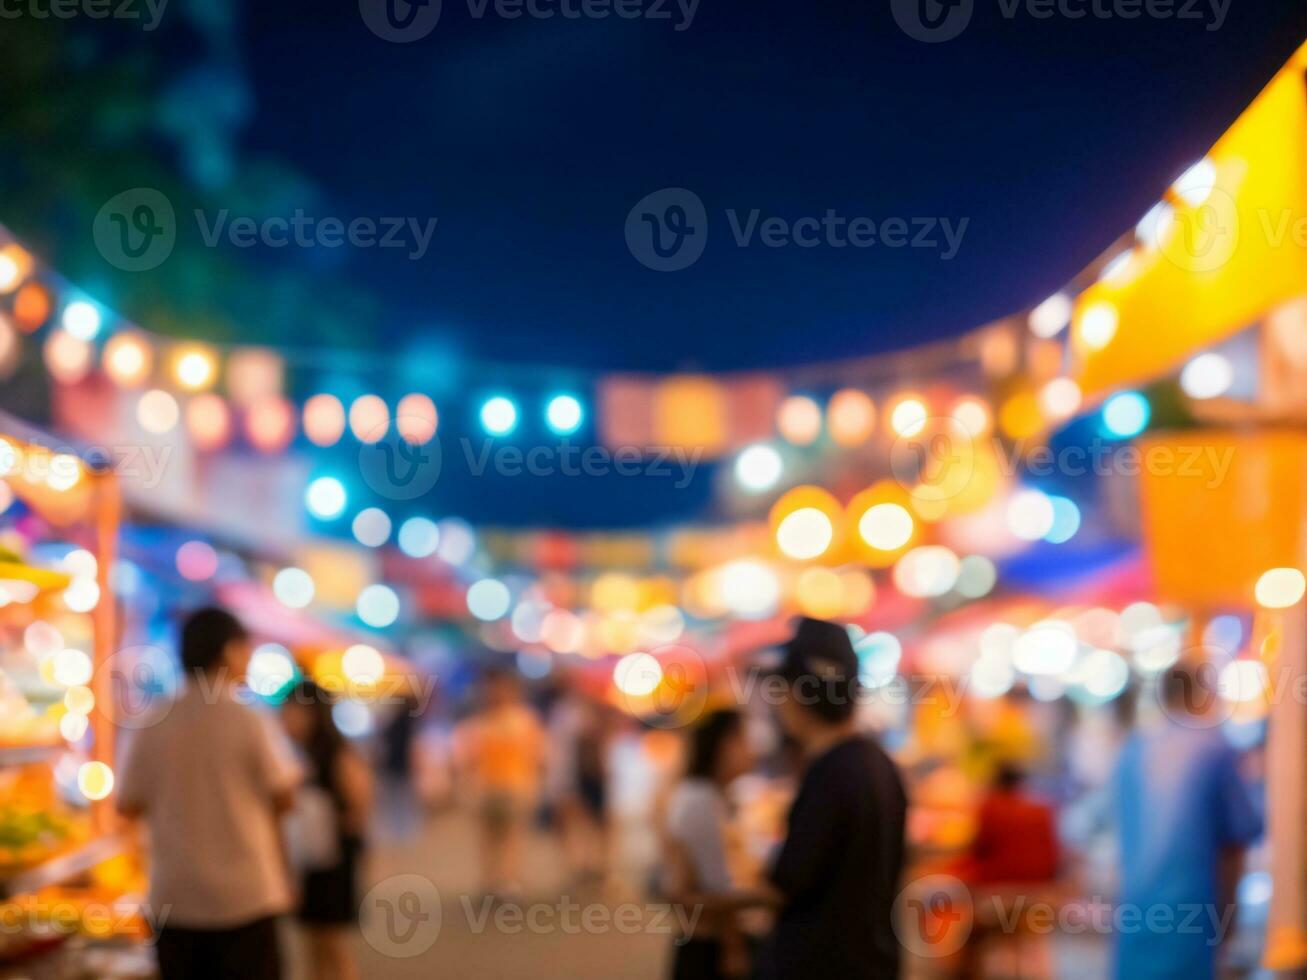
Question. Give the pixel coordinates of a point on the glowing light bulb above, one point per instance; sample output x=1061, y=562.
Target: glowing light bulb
x=758, y=468
x=563, y=415
x=499, y=416
x=1280, y=588
x=325, y=498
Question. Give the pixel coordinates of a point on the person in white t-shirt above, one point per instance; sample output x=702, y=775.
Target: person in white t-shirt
x=210, y=781
x=695, y=834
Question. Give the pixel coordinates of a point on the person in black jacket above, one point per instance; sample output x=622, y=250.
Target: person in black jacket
x=837, y=874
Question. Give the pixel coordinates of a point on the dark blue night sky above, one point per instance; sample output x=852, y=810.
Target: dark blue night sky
x=532, y=139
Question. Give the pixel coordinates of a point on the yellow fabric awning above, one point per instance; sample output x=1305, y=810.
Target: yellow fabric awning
x=1229, y=245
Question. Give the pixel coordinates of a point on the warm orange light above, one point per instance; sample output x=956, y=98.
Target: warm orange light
x=416, y=419
x=1020, y=417
x=799, y=420
x=820, y=593
x=324, y=420
x=270, y=424
x=128, y=359
x=15, y=266
x=850, y=417
x=31, y=307
x=208, y=421
x=881, y=524
x=194, y=367
x=807, y=523
x=67, y=357
x=369, y=419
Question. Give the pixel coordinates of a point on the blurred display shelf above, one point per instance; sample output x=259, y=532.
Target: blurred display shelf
x=61, y=868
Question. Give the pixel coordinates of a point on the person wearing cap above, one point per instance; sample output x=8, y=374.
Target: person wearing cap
x=837, y=873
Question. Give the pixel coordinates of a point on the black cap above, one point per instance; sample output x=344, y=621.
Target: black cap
x=819, y=649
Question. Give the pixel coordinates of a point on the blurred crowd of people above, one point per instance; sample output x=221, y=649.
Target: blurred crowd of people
x=230, y=803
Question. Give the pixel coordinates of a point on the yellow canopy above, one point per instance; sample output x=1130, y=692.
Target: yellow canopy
x=1228, y=244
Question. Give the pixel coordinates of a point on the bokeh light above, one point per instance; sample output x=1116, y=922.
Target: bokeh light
x=208, y=422
x=95, y=780
x=805, y=533
x=927, y=572
x=197, y=561
x=378, y=606
x=1097, y=325
x=637, y=674
x=1030, y=515
x=418, y=537
x=1066, y=520
x=488, y=599
x=371, y=527
x=1050, y=317
x=369, y=419
x=195, y=368
x=1208, y=375
x=1126, y=414
x=850, y=417
x=270, y=423
x=157, y=411
x=886, y=527
x=363, y=664
x=909, y=415
x=798, y=420
x=563, y=415
x=324, y=420
x=128, y=359
x=1280, y=588
x=416, y=419
x=758, y=468
x=325, y=498
x=293, y=587
x=82, y=319
x=498, y=415
x=68, y=358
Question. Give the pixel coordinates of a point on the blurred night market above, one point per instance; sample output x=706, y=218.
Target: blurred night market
x=653, y=488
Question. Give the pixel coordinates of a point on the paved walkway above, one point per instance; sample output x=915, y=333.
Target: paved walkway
x=426, y=917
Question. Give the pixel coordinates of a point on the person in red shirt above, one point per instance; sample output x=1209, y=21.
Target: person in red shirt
x=1016, y=836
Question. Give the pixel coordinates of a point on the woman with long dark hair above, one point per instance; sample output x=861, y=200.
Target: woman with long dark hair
x=695, y=835
x=338, y=778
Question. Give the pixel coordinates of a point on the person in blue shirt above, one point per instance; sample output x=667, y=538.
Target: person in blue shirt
x=1184, y=819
